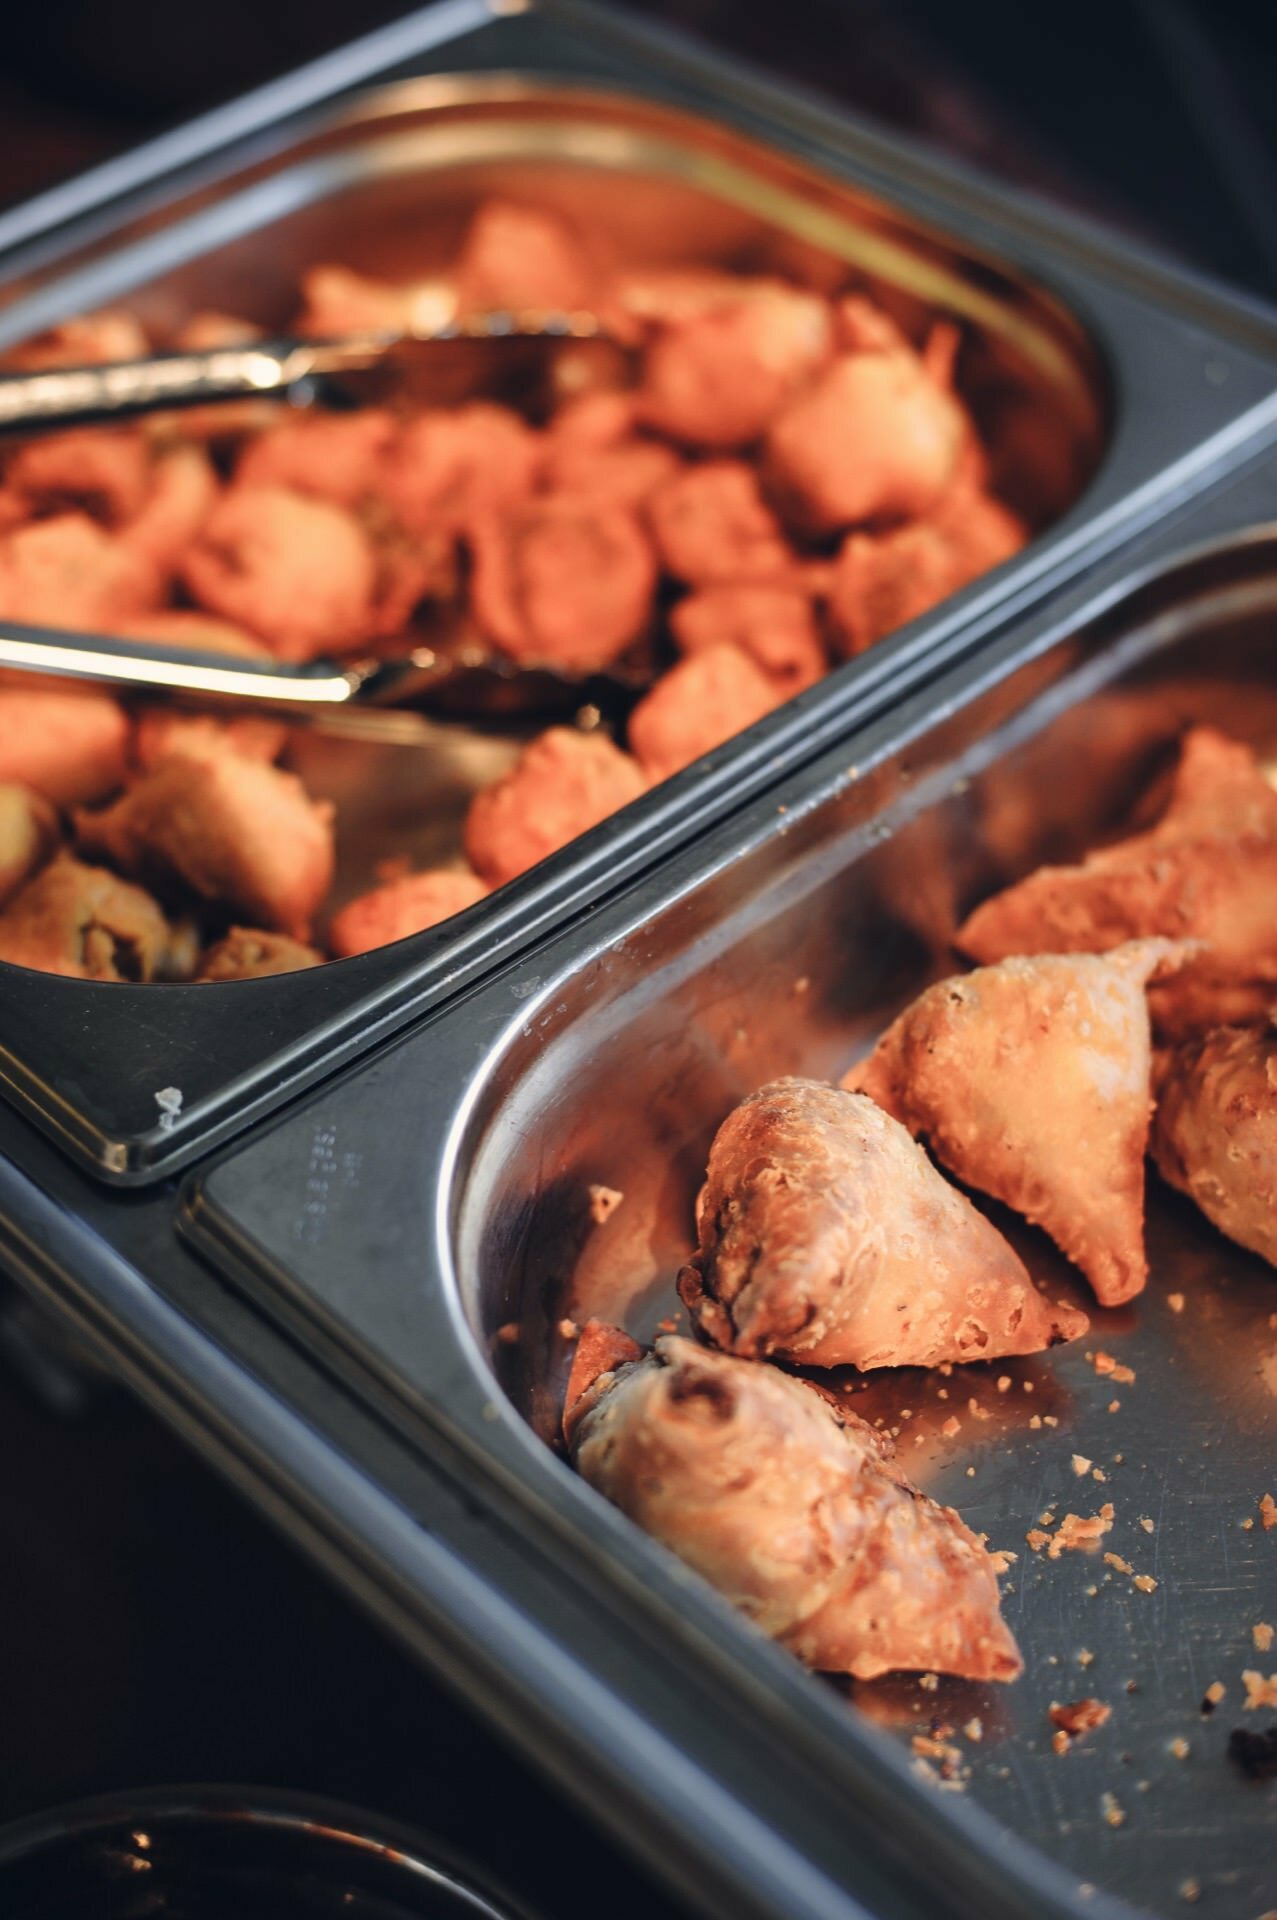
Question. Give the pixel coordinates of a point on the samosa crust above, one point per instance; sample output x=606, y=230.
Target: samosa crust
x=1030, y=1081
x=827, y=1238
x=1207, y=871
x=1215, y=1132
x=793, y=1511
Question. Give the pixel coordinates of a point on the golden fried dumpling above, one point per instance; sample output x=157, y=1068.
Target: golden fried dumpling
x=232, y=830
x=1207, y=871
x=1215, y=1132
x=249, y=953
x=790, y=1508
x=86, y=923
x=1030, y=1081
x=28, y=835
x=827, y=1238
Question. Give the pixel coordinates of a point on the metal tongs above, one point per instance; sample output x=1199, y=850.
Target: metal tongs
x=58, y=397
x=459, y=676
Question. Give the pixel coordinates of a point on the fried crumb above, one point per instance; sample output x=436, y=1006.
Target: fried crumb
x=1036, y=1422
x=1085, y=1657
x=604, y=1202
x=1081, y=1465
x=1116, y=1560
x=951, y=1426
x=1098, y=1473
x=1145, y=1583
x=1114, y=1405
x=1268, y=1512
x=1047, y=1517
x=1050, y=1420
x=1078, y=1716
x=1213, y=1695
x=974, y=1728
x=1147, y=1524
x=668, y=1325
x=1112, y=1369
x=569, y=1330
x=1247, y=1524
x=976, y=1410
x=1132, y=1686
x=970, y=1473
x=1113, y=1813
x=1190, y=1890
x=1262, y=1635
x=1175, y=1301
x=929, y=1682
x=1001, y=1558
x=1026, y=1386
x=1091, y=1592
x=1037, y=1539
x=1259, y=1692
x=1004, y=1383
x=1179, y=1747
x=1074, y=1533
x=1060, y=1741
x=508, y=1334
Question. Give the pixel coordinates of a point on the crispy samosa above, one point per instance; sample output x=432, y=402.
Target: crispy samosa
x=1215, y=1132
x=1030, y=1081
x=828, y=1238
x=792, y=1509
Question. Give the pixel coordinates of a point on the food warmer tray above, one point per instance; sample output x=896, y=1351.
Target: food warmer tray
x=1113, y=386
x=317, y=1310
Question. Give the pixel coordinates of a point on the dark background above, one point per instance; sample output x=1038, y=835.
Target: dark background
x=152, y=1629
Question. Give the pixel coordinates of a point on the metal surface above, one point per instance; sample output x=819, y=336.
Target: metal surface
x=1076, y=352
x=440, y=1194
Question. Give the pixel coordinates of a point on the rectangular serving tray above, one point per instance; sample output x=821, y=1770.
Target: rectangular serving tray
x=1115, y=387
x=440, y=1194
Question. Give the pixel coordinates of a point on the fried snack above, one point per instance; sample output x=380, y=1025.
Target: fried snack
x=564, y=783
x=448, y=468
x=330, y=456
x=1207, y=872
x=592, y=421
x=194, y=632
x=561, y=582
x=704, y=700
x=69, y=572
x=775, y=626
x=828, y=1239
x=182, y=488
x=28, y=835
x=160, y=733
x=624, y=473
x=1030, y=1082
x=716, y=376
x=400, y=907
x=712, y=527
x=338, y=300
x=794, y=1511
x=231, y=830
x=882, y=580
x=520, y=256
x=874, y=438
x=102, y=472
x=1215, y=1132
x=298, y=573
x=249, y=953
x=83, y=921
x=69, y=745
x=82, y=342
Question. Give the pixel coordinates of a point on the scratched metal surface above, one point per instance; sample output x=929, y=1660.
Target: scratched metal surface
x=800, y=977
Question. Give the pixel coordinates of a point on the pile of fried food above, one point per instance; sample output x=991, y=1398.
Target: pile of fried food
x=1121, y=1007
x=777, y=480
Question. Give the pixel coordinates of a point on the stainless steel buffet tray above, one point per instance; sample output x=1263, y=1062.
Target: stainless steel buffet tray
x=1109, y=389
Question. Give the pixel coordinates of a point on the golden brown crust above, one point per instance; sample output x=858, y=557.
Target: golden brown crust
x=250, y=953
x=84, y=922
x=794, y=1512
x=827, y=1238
x=1215, y=1131
x=565, y=782
x=400, y=907
x=229, y=829
x=1207, y=871
x=1030, y=1081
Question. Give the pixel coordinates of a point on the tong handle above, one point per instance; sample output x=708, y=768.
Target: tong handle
x=130, y=666
x=79, y=396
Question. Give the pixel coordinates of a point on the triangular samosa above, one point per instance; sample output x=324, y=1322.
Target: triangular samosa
x=828, y=1238
x=791, y=1509
x=1030, y=1081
